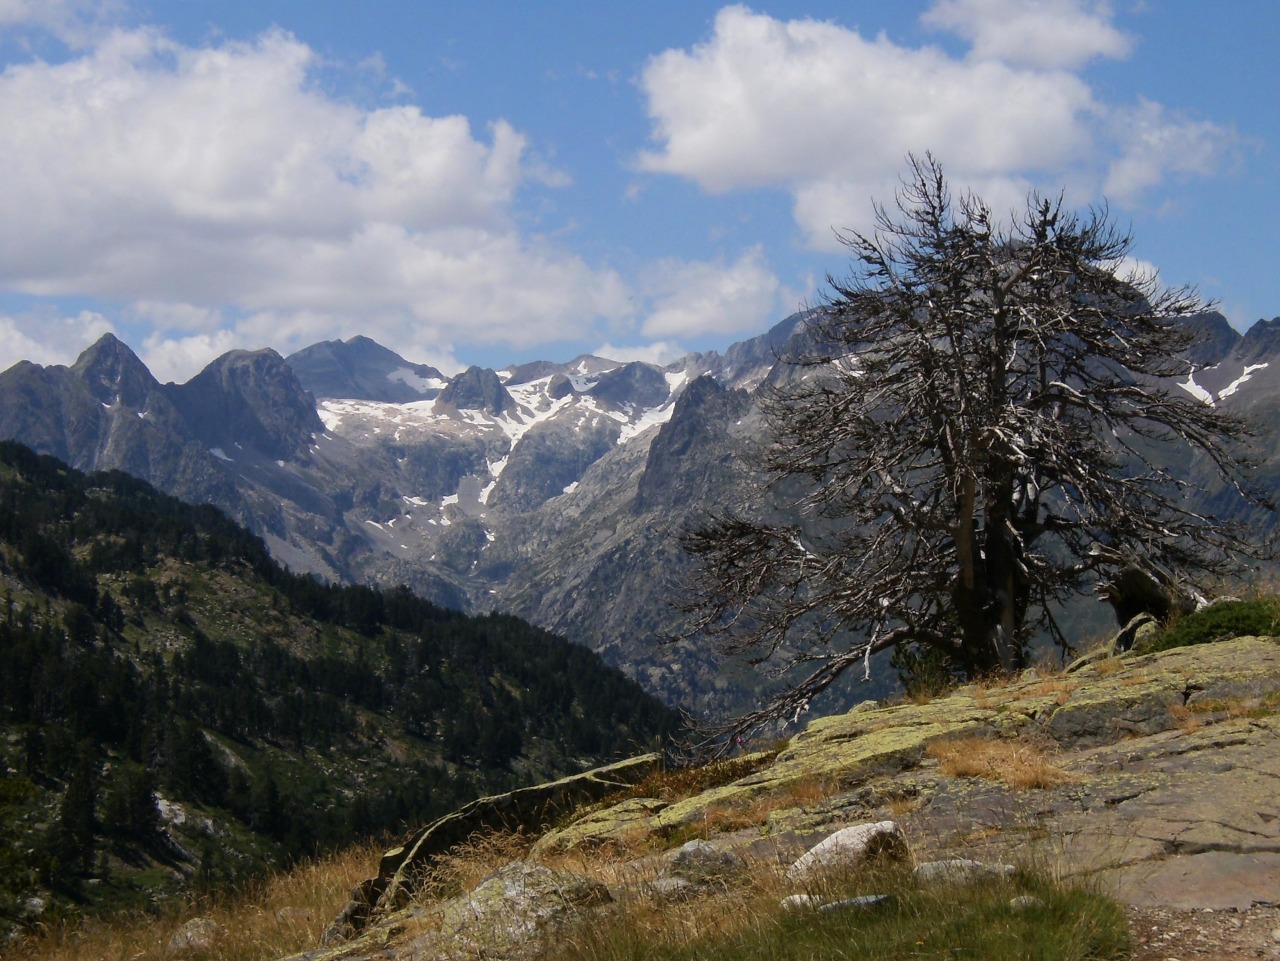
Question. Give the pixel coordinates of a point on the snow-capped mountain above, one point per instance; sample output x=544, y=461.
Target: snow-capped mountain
x=555, y=491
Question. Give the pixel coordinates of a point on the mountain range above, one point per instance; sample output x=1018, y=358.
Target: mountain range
x=554, y=491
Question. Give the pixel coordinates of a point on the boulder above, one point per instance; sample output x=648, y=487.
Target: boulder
x=1139, y=629
x=703, y=863
x=850, y=848
x=197, y=935
x=515, y=912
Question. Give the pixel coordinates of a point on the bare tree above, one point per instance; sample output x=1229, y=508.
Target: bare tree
x=982, y=421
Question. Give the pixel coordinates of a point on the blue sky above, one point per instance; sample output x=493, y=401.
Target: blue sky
x=488, y=182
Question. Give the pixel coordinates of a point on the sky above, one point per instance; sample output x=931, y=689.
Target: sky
x=489, y=183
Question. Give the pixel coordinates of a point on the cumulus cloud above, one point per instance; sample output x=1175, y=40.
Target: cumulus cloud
x=1034, y=33
x=660, y=352
x=830, y=115
x=710, y=298
x=176, y=359
x=1158, y=143
x=1135, y=270
x=221, y=182
x=45, y=338
x=73, y=22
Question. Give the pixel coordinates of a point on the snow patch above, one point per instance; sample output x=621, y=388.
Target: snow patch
x=571, y=488
x=219, y=453
x=650, y=418
x=419, y=383
x=1235, y=385
x=415, y=501
x=1196, y=391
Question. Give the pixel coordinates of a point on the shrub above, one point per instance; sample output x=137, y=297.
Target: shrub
x=1219, y=622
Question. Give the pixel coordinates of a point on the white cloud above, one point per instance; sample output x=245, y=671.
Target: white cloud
x=177, y=359
x=830, y=116
x=710, y=298
x=1135, y=270
x=221, y=181
x=48, y=339
x=1055, y=34
x=660, y=352
x=74, y=22
x=1158, y=143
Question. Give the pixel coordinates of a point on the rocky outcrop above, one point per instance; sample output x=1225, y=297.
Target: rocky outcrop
x=1169, y=754
x=1168, y=800
x=476, y=389
x=525, y=809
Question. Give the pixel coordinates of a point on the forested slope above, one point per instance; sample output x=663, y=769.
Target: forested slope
x=177, y=709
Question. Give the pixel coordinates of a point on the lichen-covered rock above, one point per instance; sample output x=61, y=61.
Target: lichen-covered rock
x=514, y=912
x=850, y=848
x=603, y=826
x=703, y=863
x=197, y=935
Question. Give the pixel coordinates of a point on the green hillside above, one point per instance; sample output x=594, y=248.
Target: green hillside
x=178, y=711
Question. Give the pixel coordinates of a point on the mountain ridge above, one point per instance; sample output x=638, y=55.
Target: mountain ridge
x=552, y=490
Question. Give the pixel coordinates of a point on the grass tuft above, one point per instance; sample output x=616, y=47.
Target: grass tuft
x=936, y=921
x=1018, y=763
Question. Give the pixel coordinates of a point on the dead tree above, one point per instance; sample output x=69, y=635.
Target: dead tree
x=980, y=421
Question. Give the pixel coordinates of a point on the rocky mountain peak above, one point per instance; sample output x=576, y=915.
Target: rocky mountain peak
x=693, y=445
x=114, y=374
x=477, y=388
x=641, y=385
x=250, y=397
x=1260, y=341
x=362, y=369
x=1215, y=338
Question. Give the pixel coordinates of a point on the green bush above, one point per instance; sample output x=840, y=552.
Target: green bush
x=1220, y=622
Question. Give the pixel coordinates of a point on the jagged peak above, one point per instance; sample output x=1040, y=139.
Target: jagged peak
x=254, y=397
x=1260, y=340
x=477, y=388
x=114, y=374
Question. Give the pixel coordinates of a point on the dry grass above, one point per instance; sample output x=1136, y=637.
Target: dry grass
x=1017, y=763
x=1059, y=688
x=902, y=805
x=467, y=864
x=1109, y=665
x=283, y=915
x=1233, y=708
x=1187, y=719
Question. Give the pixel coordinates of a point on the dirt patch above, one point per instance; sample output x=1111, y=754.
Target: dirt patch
x=1165, y=934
